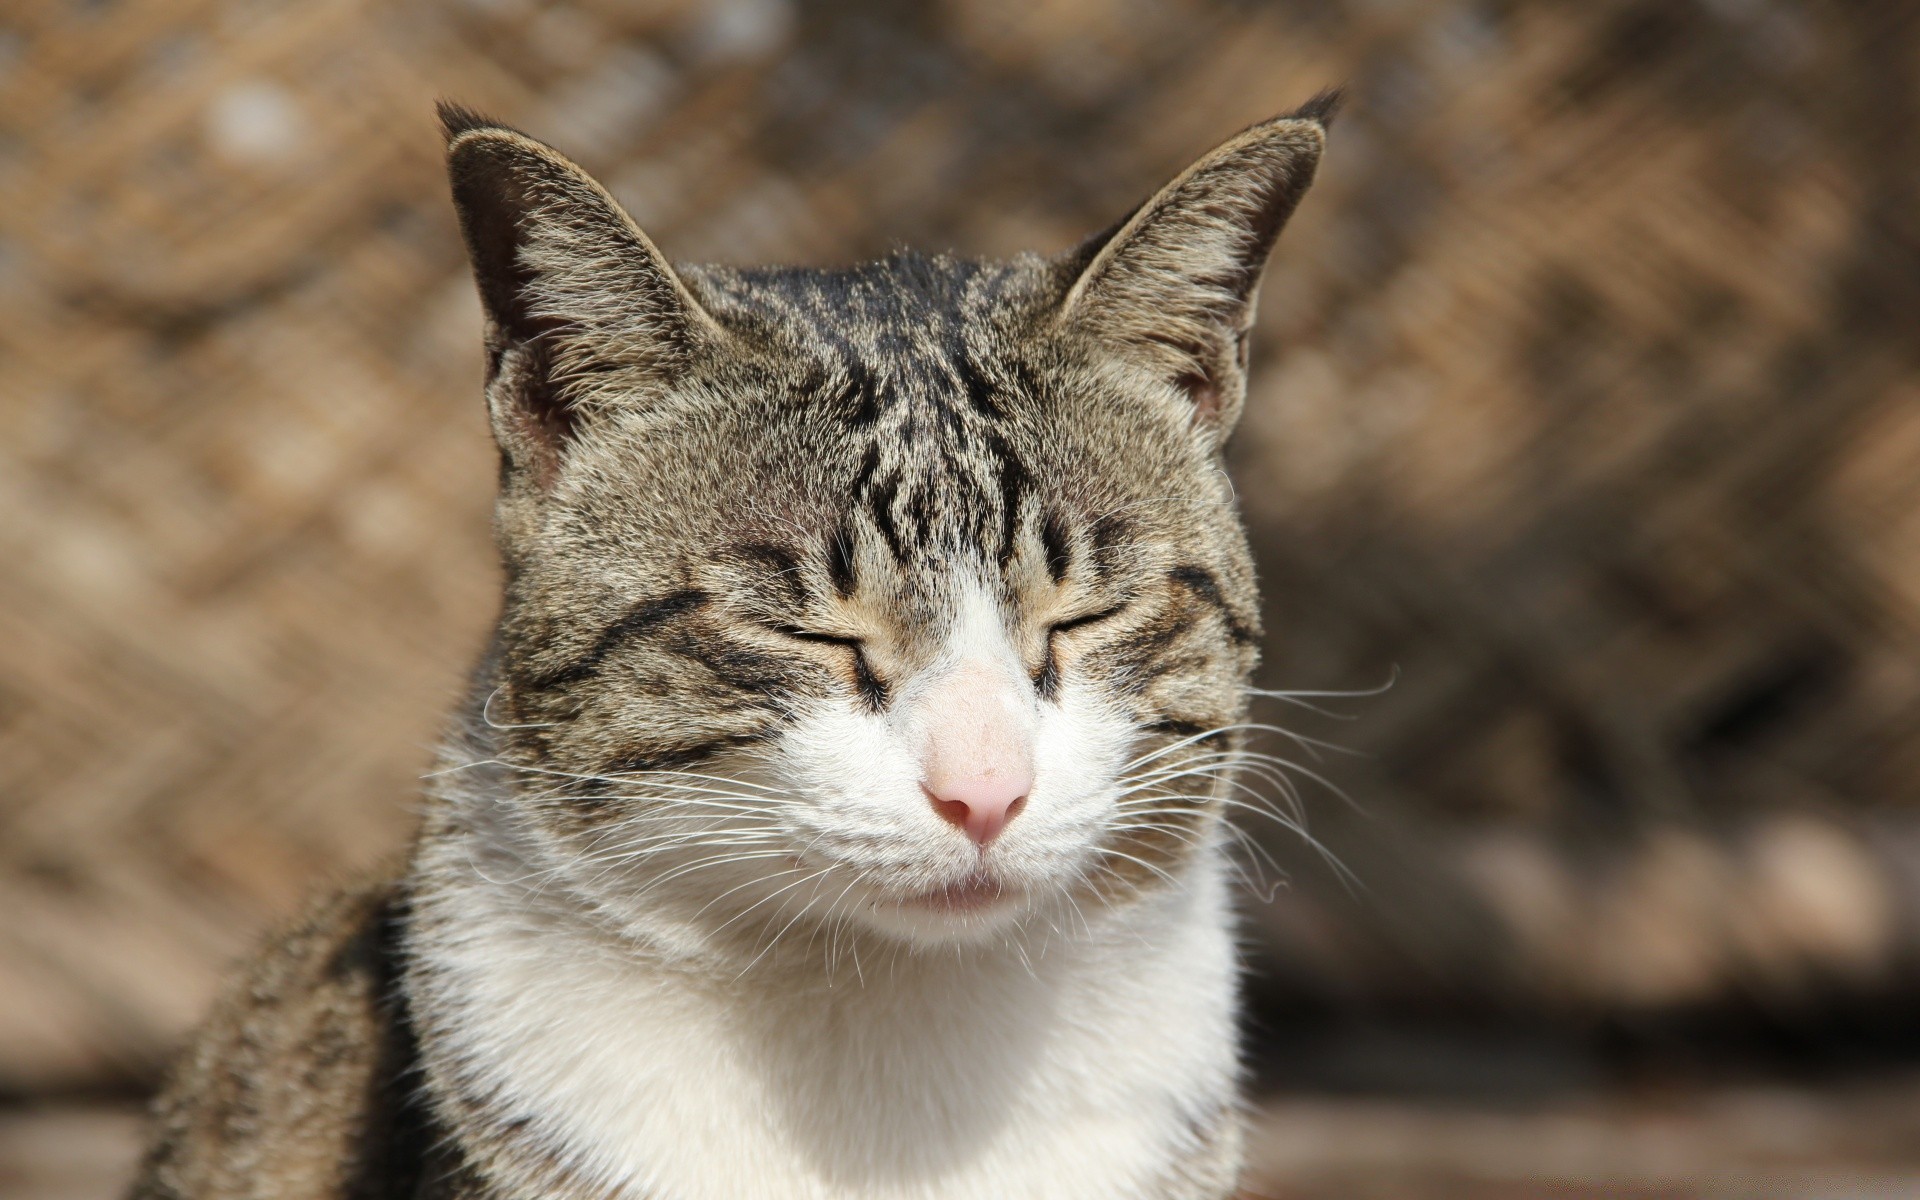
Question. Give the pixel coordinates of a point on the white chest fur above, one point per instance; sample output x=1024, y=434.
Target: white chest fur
x=1074, y=1073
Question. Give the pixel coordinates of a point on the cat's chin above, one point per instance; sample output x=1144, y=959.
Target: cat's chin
x=975, y=908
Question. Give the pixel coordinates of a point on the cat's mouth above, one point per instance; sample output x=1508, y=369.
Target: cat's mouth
x=978, y=892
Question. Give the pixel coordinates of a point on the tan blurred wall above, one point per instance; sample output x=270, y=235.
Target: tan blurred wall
x=1586, y=397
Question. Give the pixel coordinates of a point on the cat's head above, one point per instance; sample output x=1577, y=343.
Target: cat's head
x=909, y=594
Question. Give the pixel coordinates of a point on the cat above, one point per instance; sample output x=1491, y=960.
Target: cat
x=838, y=807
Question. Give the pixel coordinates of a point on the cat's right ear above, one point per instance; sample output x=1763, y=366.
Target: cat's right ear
x=582, y=310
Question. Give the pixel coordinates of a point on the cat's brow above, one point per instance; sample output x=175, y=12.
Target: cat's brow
x=641, y=619
x=784, y=564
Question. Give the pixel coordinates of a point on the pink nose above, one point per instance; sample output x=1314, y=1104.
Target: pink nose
x=979, y=807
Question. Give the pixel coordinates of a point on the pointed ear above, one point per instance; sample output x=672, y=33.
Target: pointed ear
x=1172, y=290
x=580, y=307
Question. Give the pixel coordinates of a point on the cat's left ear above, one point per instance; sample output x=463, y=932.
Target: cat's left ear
x=1172, y=290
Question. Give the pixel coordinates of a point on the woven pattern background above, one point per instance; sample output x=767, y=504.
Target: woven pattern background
x=1587, y=410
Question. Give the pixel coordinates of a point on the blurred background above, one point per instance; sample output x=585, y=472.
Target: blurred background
x=1584, y=446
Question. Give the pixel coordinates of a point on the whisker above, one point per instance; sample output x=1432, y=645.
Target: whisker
x=738, y=886
x=650, y=773
x=710, y=861
x=1160, y=871
x=486, y=715
x=1380, y=689
x=811, y=875
x=770, y=896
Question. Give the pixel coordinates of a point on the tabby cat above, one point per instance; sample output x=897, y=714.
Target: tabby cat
x=837, y=811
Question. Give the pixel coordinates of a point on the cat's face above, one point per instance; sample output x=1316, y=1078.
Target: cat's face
x=910, y=595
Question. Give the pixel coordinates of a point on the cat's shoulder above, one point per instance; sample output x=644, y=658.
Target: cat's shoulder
x=296, y=1086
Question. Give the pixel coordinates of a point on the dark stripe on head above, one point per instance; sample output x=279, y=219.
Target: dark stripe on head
x=741, y=668
x=860, y=399
x=1107, y=533
x=977, y=388
x=1143, y=646
x=782, y=563
x=1201, y=583
x=1014, y=483
x=920, y=510
x=1169, y=664
x=641, y=619
x=1058, y=547
x=686, y=754
x=869, y=463
x=880, y=496
x=840, y=561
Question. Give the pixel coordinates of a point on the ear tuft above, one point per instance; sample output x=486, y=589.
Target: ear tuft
x=457, y=118
x=1321, y=107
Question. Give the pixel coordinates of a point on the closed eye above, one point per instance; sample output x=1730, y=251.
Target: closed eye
x=810, y=635
x=1085, y=619
x=1047, y=679
x=872, y=688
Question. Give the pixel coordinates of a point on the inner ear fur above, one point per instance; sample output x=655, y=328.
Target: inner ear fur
x=1172, y=289
x=581, y=309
